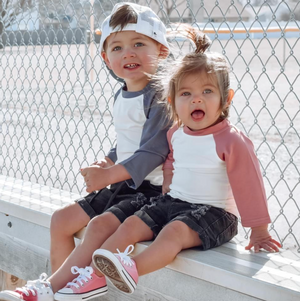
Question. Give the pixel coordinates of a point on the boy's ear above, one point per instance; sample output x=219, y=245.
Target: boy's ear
x=230, y=96
x=104, y=56
x=164, y=52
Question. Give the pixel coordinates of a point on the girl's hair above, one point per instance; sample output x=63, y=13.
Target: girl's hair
x=213, y=64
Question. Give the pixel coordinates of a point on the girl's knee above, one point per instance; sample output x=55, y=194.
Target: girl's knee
x=134, y=227
x=182, y=233
x=132, y=223
x=176, y=228
x=104, y=222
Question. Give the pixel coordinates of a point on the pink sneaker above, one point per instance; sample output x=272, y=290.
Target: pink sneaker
x=34, y=290
x=86, y=286
x=119, y=268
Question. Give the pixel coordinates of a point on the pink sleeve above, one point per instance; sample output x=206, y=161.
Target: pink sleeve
x=169, y=161
x=244, y=176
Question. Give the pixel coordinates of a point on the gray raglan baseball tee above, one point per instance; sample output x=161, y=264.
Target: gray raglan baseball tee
x=141, y=125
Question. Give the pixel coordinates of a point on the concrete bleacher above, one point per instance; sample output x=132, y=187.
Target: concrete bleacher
x=225, y=273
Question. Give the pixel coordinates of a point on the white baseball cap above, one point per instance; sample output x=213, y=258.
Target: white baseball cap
x=148, y=24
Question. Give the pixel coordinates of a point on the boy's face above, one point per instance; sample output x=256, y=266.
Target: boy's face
x=131, y=56
x=198, y=101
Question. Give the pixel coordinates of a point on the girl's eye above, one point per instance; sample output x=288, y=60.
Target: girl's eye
x=139, y=44
x=207, y=91
x=185, y=93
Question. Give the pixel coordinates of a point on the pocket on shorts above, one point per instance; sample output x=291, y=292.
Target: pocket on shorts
x=230, y=232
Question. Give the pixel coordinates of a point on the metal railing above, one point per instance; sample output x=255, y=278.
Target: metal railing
x=56, y=94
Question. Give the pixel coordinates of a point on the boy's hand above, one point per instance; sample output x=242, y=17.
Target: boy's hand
x=95, y=177
x=104, y=163
x=260, y=238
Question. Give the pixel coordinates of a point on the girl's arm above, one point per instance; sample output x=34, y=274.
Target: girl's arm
x=168, y=165
x=168, y=175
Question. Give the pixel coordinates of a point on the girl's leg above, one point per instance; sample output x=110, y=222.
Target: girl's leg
x=130, y=232
x=97, y=232
x=173, y=238
x=65, y=222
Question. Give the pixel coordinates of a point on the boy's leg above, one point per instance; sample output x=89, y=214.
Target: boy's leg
x=99, y=229
x=96, y=233
x=65, y=222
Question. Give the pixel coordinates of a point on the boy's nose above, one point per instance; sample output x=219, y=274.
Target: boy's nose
x=129, y=53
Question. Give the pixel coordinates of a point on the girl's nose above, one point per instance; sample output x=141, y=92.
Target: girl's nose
x=196, y=99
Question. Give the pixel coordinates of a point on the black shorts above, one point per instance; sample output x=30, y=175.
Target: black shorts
x=119, y=195
x=215, y=226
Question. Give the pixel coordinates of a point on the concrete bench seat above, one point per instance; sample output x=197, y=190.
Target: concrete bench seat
x=225, y=273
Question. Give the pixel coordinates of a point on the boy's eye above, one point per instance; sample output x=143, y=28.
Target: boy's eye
x=138, y=44
x=116, y=48
x=207, y=91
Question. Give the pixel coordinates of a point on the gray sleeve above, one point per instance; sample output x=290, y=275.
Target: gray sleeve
x=112, y=154
x=154, y=146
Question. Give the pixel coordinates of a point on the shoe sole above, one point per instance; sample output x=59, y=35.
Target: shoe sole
x=84, y=296
x=8, y=297
x=111, y=267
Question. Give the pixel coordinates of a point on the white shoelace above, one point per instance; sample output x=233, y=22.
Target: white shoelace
x=124, y=256
x=33, y=286
x=85, y=274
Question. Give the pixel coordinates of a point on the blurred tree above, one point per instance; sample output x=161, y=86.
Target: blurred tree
x=11, y=9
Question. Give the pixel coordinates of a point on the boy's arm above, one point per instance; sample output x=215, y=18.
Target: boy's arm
x=97, y=177
x=153, y=145
x=112, y=154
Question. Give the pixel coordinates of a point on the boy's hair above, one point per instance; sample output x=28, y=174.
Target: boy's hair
x=122, y=17
x=213, y=64
x=131, y=16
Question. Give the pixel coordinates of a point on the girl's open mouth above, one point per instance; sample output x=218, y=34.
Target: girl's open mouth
x=197, y=115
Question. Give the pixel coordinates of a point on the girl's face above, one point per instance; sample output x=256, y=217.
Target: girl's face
x=198, y=101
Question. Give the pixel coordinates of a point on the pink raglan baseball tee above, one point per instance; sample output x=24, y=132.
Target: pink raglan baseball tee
x=218, y=166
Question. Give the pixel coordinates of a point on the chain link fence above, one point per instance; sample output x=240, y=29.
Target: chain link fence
x=56, y=95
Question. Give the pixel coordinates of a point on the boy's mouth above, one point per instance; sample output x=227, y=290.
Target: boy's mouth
x=131, y=66
x=197, y=115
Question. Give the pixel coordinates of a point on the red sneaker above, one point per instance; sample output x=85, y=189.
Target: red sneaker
x=34, y=290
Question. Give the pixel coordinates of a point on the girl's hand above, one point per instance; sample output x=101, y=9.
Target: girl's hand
x=260, y=238
x=168, y=175
x=166, y=186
